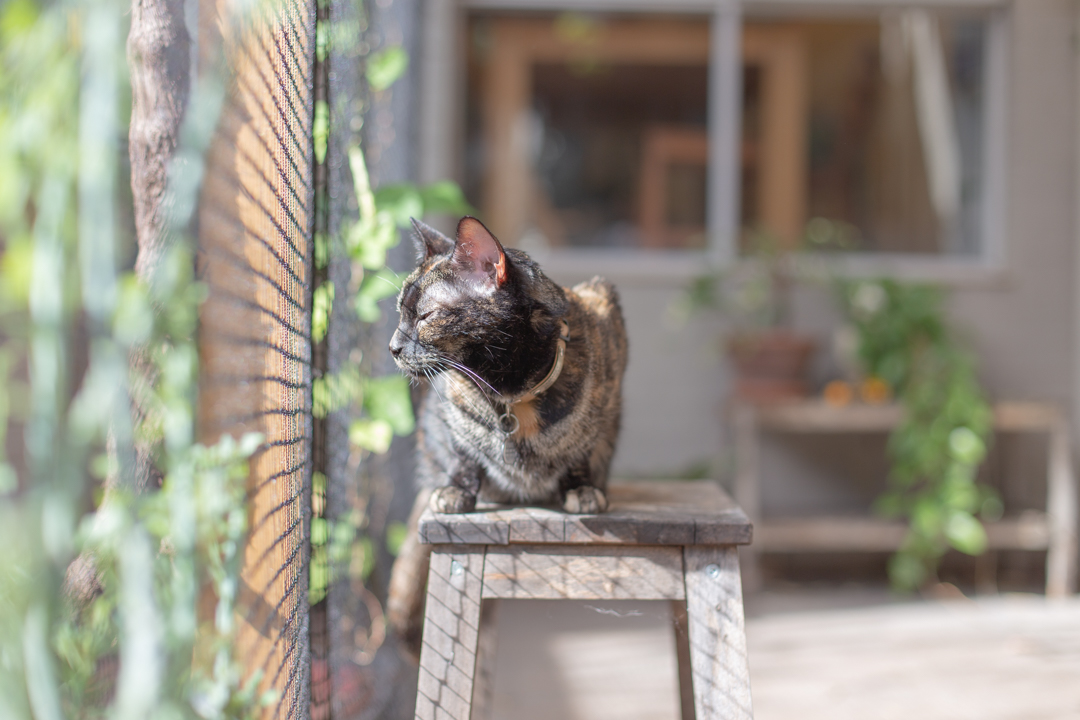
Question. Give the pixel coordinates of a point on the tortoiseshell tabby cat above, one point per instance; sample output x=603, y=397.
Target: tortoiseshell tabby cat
x=526, y=375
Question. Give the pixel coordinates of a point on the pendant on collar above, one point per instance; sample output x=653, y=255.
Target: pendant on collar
x=508, y=421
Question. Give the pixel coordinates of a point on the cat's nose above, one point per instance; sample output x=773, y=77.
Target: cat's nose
x=397, y=344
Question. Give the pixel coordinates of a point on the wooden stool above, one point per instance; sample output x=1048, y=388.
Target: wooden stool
x=659, y=540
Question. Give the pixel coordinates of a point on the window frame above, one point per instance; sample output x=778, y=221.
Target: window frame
x=441, y=135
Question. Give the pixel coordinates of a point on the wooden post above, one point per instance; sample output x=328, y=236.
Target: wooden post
x=746, y=490
x=1061, y=507
x=717, y=633
x=682, y=656
x=451, y=633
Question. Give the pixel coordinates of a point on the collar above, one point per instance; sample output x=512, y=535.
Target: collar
x=556, y=369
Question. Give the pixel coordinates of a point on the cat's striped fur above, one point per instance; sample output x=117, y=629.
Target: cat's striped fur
x=483, y=325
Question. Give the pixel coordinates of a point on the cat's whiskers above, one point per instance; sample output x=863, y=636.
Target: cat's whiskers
x=387, y=281
x=431, y=381
x=472, y=376
x=468, y=398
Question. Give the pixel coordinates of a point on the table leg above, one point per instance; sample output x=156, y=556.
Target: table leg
x=717, y=633
x=1061, y=508
x=451, y=633
x=747, y=488
x=682, y=656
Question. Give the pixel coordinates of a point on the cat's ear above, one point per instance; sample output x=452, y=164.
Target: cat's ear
x=478, y=254
x=429, y=241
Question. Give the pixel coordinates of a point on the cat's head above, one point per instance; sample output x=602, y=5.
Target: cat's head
x=471, y=303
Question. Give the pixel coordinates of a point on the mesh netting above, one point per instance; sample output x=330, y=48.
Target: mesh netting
x=255, y=256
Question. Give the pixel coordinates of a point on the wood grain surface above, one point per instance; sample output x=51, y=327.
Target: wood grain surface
x=647, y=512
x=538, y=572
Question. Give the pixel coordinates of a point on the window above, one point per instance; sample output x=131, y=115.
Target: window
x=589, y=131
x=876, y=122
x=643, y=132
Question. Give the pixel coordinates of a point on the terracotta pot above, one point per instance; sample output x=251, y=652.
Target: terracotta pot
x=771, y=365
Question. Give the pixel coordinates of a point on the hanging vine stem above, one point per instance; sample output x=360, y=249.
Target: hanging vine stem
x=382, y=406
x=936, y=450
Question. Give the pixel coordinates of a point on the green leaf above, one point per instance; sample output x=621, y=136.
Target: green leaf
x=335, y=391
x=370, y=434
x=445, y=196
x=402, y=201
x=386, y=66
x=322, y=40
x=388, y=399
x=318, y=574
x=367, y=242
x=906, y=571
x=365, y=199
x=322, y=250
x=320, y=130
x=363, y=561
x=966, y=446
x=249, y=443
x=17, y=19
x=396, y=533
x=16, y=269
x=374, y=288
x=134, y=319
x=965, y=533
x=320, y=531
x=342, y=535
x=992, y=508
x=320, y=312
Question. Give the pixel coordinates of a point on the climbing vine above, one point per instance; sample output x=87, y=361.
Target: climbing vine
x=99, y=583
x=381, y=406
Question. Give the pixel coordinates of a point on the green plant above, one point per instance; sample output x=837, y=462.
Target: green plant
x=380, y=406
x=140, y=560
x=754, y=293
x=905, y=339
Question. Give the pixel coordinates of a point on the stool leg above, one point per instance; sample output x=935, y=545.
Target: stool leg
x=451, y=632
x=682, y=655
x=717, y=633
x=484, y=684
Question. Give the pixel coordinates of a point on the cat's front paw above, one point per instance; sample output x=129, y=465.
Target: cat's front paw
x=452, y=499
x=585, y=500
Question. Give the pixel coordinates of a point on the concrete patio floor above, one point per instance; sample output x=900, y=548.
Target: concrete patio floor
x=839, y=654
x=1007, y=657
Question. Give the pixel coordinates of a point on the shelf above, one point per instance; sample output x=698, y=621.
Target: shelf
x=819, y=416
x=1030, y=531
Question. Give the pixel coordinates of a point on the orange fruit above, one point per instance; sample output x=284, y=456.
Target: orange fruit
x=838, y=393
x=875, y=391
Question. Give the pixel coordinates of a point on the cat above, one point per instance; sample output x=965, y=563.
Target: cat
x=526, y=376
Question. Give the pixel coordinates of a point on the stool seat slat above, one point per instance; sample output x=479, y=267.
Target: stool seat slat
x=667, y=512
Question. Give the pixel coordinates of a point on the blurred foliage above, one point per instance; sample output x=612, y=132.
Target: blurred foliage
x=99, y=583
x=755, y=292
x=386, y=66
x=905, y=340
x=379, y=407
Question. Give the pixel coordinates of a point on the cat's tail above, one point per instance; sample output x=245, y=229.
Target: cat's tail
x=408, y=584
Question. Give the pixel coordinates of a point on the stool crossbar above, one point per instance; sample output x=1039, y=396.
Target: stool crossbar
x=659, y=540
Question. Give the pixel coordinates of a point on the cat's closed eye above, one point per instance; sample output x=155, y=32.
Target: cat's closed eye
x=424, y=316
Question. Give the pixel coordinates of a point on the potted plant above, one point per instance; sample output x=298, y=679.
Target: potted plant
x=769, y=356
x=905, y=339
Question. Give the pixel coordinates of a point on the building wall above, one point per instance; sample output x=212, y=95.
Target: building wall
x=1020, y=321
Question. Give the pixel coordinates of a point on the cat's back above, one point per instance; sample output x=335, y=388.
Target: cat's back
x=597, y=301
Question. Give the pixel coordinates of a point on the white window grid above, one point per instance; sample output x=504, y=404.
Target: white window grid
x=442, y=119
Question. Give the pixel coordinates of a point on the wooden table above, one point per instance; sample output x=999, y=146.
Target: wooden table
x=659, y=540
x=1054, y=531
